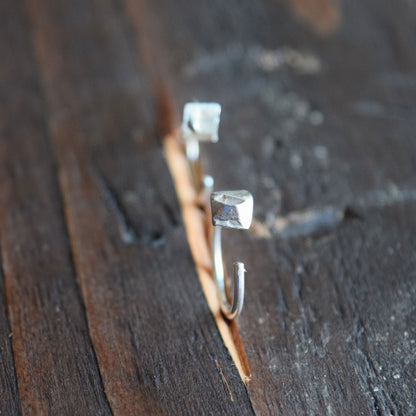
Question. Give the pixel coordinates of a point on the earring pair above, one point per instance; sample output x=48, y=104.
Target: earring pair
x=230, y=209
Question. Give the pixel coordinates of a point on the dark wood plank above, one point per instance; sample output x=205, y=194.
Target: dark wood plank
x=319, y=127
x=157, y=344
x=9, y=399
x=55, y=362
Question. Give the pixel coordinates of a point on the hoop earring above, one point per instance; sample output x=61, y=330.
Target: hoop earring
x=231, y=209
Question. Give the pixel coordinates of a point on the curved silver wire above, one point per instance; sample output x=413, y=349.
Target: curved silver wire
x=206, y=183
x=233, y=309
x=200, y=123
x=192, y=149
x=192, y=155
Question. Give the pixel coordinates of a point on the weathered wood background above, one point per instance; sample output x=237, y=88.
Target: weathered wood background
x=101, y=309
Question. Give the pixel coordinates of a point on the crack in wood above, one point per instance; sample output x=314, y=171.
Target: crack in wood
x=194, y=213
x=128, y=231
x=196, y=226
x=224, y=379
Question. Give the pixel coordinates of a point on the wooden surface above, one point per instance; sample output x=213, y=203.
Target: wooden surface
x=101, y=308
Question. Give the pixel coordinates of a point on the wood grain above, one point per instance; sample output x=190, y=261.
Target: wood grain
x=9, y=399
x=157, y=345
x=55, y=363
x=321, y=132
x=101, y=310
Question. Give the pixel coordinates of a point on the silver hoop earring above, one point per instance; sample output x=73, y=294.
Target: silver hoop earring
x=200, y=124
x=231, y=209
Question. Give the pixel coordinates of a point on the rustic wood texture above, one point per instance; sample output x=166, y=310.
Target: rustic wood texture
x=55, y=363
x=9, y=400
x=156, y=343
x=318, y=124
x=101, y=310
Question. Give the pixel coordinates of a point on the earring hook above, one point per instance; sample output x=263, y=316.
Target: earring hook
x=233, y=309
x=200, y=124
x=231, y=209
